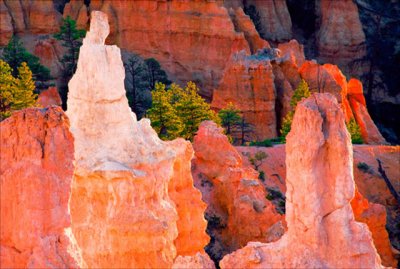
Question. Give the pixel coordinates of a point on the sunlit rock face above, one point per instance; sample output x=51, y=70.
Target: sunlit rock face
x=49, y=97
x=248, y=83
x=238, y=211
x=36, y=174
x=322, y=231
x=133, y=202
x=340, y=38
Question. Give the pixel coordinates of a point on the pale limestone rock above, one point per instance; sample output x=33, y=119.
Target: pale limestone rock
x=133, y=194
x=322, y=231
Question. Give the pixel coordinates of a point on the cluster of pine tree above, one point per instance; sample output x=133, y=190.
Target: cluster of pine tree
x=15, y=92
x=178, y=112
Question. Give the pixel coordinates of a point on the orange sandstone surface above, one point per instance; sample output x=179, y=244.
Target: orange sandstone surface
x=322, y=231
x=36, y=174
x=238, y=211
x=49, y=97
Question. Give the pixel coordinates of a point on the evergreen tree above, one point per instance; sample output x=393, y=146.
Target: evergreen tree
x=24, y=96
x=355, y=132
x=7, y=86
x=302, y=91
x=155, y=73
x=15, y=93
x=137, y=87
x=15, y=54
x=254, y=15
x=192, y=110
x=230, y=117
x=71, y=38
x=163, y=115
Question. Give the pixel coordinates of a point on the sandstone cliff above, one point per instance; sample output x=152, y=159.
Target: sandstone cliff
x=238, y=211
x=36, y=174
x=133, y=203
x=321, y=227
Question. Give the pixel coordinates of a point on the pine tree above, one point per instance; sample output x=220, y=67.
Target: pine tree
x=193, y=109
x=137, y=87
x=355, y=132
x=7, y=87
x=15, y=54
x=155, y=73
x=15, y=93
x=302, y=91
x=24, y=96
x=230, y=117
x=71, y=38
x=163, y=115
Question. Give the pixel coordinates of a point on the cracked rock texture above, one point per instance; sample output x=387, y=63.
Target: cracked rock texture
x=238, y=211
x=36, y=175
x=133, y=201
x=322, y=231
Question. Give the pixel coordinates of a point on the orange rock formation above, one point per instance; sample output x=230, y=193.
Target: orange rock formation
x=133, y=202
x=36, y=173
x=321, y=227
x=238, y=211
x=49, y=97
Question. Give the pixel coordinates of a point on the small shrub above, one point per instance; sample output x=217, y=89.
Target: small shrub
x=355, y=132
x=261, y=176
x=365, y=168
x=264, y=143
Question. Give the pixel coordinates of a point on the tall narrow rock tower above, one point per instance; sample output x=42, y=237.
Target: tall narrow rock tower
x=133, y=203
x=322, y=232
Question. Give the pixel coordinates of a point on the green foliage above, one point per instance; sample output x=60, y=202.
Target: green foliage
x=71, y=38
x=163, y=115
x=15, y=54
x=15, y=93
x=264, y=143
x=230, y=117
x=286, y=125
x=257, y=159
x=155, y=73
x=178, y=112
x=192, y=110
x=278, y=199
x=302, y=91
x=355, y=132
x=365, y=168
x=261, y=176
x=137, y=86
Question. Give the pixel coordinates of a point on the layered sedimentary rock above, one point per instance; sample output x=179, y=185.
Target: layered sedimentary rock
x=275, y=21
x=49, y=97
x=180, y=41
x=322, y=231
x=36, y=176
x=248, y=83
x=28, y=17
x=133, y=202
x=238, y=211
x=340, y=38
x=6, y=26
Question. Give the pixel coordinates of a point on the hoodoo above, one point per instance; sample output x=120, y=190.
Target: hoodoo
x=322, y=231
x=126, y=209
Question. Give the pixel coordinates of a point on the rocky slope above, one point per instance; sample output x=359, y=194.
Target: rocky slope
x=238, y=211
x=321, y=227
x=336, y=32
x=36, y=175
x=133, y=203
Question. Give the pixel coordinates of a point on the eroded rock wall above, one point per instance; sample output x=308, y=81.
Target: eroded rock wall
x=36, y=176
